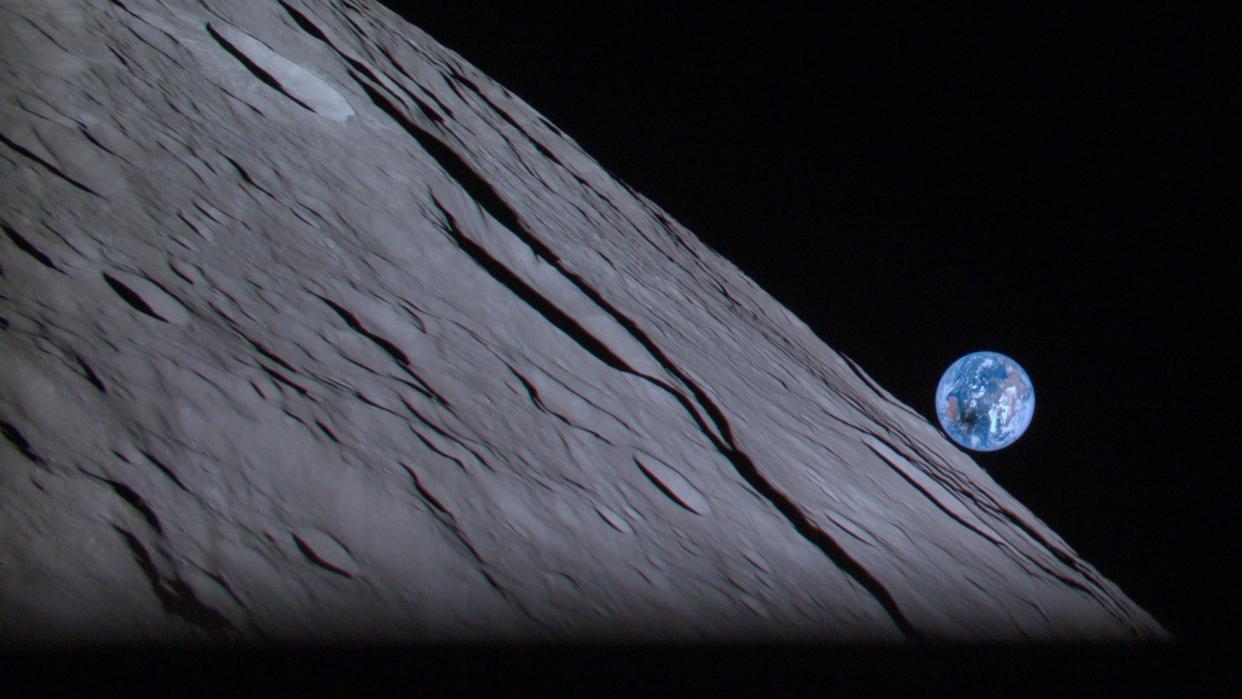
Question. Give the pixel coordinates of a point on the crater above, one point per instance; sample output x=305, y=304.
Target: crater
x=673, y=485
x=281, y=74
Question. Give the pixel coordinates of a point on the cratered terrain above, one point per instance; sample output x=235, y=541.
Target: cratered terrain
x=312, y=332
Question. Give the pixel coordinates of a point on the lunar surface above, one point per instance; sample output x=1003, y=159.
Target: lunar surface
x=985, y=401
x=311, y=332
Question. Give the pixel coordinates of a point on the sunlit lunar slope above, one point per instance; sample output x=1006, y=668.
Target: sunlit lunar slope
x=310, y=331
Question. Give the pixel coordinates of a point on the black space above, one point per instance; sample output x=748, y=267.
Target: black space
x=918, y=185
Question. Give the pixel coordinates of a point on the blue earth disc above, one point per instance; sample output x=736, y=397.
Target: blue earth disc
x=985, y=401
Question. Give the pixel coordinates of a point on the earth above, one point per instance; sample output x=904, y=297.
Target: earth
x=985, y=401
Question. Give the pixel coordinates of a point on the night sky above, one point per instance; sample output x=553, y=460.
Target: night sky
x=916, y=186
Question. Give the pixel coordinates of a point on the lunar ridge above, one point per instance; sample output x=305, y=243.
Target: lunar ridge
x=313, y=332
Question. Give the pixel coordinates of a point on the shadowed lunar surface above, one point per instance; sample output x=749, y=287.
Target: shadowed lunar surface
x=313, y=332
